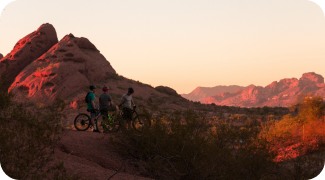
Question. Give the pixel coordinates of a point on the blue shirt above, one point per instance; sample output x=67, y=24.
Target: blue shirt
x=91, y=96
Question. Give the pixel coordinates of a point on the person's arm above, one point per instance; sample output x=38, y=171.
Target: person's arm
x=121, y=103
x=132, y=102
x=110, y=100
x=93, y=103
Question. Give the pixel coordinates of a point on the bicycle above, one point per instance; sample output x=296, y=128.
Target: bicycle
x=111, y=124
x=82, y=121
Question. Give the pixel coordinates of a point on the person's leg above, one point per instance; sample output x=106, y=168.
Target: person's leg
x=104, y=112
x=116, y=112
x=93, y=123
x=92, y=120
x=129, y=118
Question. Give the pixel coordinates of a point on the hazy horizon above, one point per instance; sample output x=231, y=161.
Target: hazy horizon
x=185, y=44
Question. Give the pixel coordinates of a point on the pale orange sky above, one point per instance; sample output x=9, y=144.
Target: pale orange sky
x=185, y=43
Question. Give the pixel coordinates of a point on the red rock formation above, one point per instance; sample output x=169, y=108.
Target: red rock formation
x=200, y=93
x=281, y=93
x=1, y=56
x=311, y=78
x=28, y=49
x=69, y=66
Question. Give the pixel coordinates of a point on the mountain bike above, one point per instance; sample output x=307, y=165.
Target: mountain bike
x=82, y=121
x=111, y=124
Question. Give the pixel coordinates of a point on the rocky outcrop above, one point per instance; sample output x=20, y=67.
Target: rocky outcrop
x=69, y=66
x=281, y=93
x=309, y=79
x=167, y=90
x=1, y=56
x=27, y=50
x=200, y=93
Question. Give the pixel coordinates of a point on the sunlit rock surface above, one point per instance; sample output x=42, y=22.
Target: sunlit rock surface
x=27, y=50
x=67, y=67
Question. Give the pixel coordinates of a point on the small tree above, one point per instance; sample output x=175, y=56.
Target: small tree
x=309, y=107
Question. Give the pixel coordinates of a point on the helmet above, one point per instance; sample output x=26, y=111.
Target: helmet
x=105, y=88
x=92, y=87
x=130, y=90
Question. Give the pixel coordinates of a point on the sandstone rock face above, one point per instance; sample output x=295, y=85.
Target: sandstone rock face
x=1, y=56
x=28, y=49
x=69, y=66
x=281, y=93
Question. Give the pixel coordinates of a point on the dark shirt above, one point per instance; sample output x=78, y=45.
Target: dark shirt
x=104, y=100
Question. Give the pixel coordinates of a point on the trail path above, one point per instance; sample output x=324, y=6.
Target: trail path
x=91, y=155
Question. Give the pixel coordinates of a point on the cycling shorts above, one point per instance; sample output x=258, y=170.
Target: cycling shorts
x=127, y=113
x=92, y=112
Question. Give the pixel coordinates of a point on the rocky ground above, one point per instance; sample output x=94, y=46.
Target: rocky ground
x=91, y=155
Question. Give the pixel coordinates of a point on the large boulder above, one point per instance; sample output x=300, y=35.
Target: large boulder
x=68, y=67
x=26, y=50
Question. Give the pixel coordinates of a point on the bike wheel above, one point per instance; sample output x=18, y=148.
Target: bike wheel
x=141, y=122
x=105, y=124
x=82, y=122
x=100, y=123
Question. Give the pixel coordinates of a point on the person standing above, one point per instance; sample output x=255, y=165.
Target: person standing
x=106, y=103
x=91, y=106
x=126, y=103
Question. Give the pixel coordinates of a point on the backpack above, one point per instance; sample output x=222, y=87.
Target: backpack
x=86, y=98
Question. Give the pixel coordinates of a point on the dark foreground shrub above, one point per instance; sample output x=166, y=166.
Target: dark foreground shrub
x=188, y=145
x=28, y=138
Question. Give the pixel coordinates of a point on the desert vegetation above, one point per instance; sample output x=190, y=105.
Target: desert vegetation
x=199, y=142
x=29, y=135
x=191, y=145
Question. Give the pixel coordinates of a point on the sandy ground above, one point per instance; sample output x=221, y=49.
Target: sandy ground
x=91, y=155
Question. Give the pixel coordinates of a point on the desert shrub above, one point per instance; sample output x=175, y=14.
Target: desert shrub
x=28, y=139
x=189, y=145
x=141, y=84
x=310, y=108
x=298, y=133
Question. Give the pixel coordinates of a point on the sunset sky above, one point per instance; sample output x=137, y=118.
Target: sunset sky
x=185, y=43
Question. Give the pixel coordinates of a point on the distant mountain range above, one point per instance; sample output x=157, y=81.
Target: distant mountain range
x=200, y=93
x=281, y=93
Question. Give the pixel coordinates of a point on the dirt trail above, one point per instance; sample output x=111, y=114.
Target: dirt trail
x=91, y=155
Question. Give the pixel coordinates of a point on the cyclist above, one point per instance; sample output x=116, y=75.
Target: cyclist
x=106, y=104
x=91, y=106
x=126, y=103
